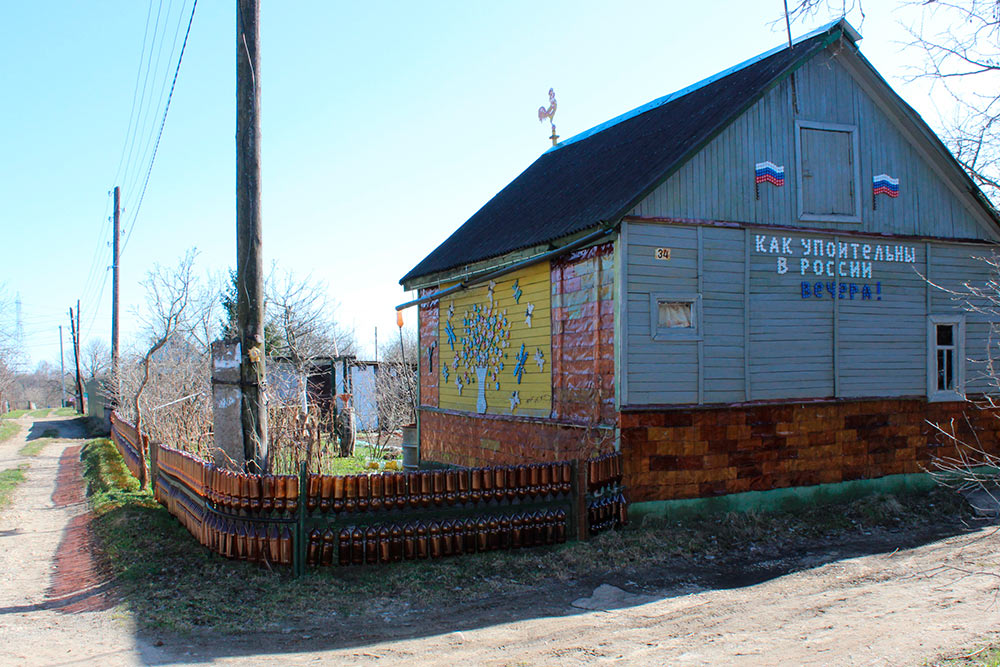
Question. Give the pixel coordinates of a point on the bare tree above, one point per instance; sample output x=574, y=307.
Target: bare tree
x=96, y=359
x=395, y=391
x=302, y=319
x=960, y=42
x=170, y=318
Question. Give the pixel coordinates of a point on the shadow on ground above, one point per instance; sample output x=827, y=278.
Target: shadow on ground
x=455, y=608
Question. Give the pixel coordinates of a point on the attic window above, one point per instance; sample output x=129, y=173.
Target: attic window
x=828, y=175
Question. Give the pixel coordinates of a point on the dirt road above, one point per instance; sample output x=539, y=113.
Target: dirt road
x=900, y=608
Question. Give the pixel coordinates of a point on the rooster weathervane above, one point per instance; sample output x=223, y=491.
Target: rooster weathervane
x=550, y=113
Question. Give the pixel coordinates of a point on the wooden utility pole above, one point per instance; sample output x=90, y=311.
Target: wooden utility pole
x=249, y=264
x=115, y=383
x=62, y=371
x=74, y=327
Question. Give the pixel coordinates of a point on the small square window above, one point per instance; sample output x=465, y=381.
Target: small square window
x=675, y=316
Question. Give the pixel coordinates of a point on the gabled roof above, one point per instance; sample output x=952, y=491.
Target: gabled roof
x=599, y=175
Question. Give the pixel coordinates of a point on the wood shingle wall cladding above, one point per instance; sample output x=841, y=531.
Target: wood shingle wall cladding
x=715, y=451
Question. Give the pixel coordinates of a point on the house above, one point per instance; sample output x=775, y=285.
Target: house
x=743, y=286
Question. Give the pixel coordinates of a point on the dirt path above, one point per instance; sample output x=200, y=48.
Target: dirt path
x=901, y=608
x=54, y=603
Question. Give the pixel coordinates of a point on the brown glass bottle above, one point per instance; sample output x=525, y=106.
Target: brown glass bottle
x=440, y=486
x=286, y=546
x=451, y=487
x=327, y=547
x=567, y=478
x=371, y=545
x=422, y=547
x=435, y=539
x=375, y=488
x=409, y=541
x=338, y=494
x=426, y=488
x=402, y=489
x=384, y=544
x=324, y=502
x=462, y=478
x=509, y=484
x=482, y=534
x=357, y=546
x=314, y=493
x=396, y=543
x=516, y=528
x=266, y=494
x=499, y=483
x=344, y=546
x=469, y=536
x=350, y=493
x=274, y=544
x=560, y=526
x=523, y=481
x=280, y=492
x=363, y=493
x=255, y=503
x=291, y=494
x=476, y=488
x=494, y=543
x=447, y=537
x=241, y=542
x=315, y=550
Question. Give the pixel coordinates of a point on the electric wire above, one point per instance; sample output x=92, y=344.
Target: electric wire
x=163, y=123
x=147, y=143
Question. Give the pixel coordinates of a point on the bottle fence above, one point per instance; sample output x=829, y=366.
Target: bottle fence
x=321, y=520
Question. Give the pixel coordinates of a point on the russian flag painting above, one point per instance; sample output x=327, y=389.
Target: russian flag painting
x=768, y=172
x=884, y=184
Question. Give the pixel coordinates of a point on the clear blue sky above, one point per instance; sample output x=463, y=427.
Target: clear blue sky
x=385, y=126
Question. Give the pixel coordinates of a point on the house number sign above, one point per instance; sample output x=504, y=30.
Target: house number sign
x=662, y=253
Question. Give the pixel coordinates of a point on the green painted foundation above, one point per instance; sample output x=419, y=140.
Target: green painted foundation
x=783, y=499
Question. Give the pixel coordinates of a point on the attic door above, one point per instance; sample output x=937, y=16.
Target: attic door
x=828, y=177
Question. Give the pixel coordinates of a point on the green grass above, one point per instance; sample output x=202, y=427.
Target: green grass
x=988, y=656
x=8, y=430
x=38, y=414
x=9, y=479
x=173, y=584
x=14, y=414
x=65, y=412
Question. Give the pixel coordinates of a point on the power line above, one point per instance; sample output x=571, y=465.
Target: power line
x=135, y=92
x=163, y=122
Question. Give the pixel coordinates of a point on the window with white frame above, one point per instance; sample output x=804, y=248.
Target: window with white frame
x=675, y=317
x=945, y=357
x=828, y=172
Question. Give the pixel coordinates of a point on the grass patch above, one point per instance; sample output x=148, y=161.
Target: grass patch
x=9, y=479
x=986, y=657
x=14, y=414
x=174, y=585
x=34, y=447
x=8, y=430
x=44, y=412
x=65, y=412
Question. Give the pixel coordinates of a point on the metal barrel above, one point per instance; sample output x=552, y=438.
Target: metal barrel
x=411, y=448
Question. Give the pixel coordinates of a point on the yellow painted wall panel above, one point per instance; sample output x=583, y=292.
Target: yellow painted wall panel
x=495, y=345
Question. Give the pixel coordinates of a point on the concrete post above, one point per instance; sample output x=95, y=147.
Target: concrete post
x=227, y=400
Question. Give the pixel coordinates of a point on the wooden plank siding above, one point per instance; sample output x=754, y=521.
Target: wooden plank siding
x=718, y=182
x=758, y=318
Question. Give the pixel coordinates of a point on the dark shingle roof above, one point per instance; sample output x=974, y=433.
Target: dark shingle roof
x=599, y=175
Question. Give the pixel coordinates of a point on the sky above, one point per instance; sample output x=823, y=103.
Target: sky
x=385, y=125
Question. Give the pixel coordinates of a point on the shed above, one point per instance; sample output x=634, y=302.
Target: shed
x=742, y=285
